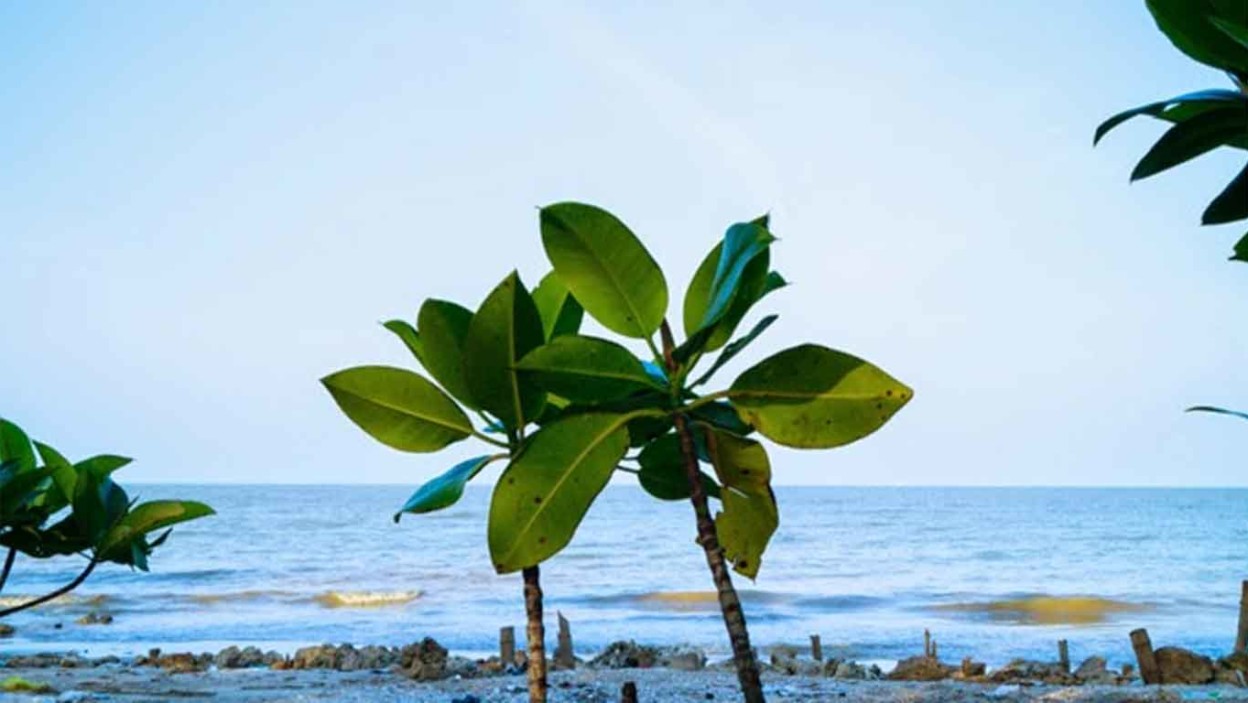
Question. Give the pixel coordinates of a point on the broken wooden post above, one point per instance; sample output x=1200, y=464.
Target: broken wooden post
x=927, y=643
x=628, y=694
x=1241, y=639
x=816, y=648
x=1143, y=647
x=507, y=645
x=563, y=651
x=967, y=666
x=934, y=654
x=1063, y=655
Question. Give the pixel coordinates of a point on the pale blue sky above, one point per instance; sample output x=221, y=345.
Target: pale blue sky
x=204, y=207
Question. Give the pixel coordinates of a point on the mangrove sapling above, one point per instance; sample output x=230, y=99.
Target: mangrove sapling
x=472, y=356
x=100, y=522
x=808, y=396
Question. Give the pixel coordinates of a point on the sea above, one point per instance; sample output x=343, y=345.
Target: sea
x=991, y=573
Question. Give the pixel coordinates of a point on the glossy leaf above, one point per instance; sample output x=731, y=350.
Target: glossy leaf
x=1203, y=99
x=64, y=478
x=1188, y=25
x=745, y=526
x=1231, y=204
x=1241, y=250
x=445, y=490
x=1220, y=411
x=560, y=312
x=506, y=328
x=586, y=369
x=1191, y=138
x=398, y=408
x=15, y=446
x=149, y=517
x=722, y=415
x=813, y=397
x=544, y=493
x=740, y=463
x=743, y=243
x=443, y=328
x=663, y=474
x=408, y=335
x=606, y=267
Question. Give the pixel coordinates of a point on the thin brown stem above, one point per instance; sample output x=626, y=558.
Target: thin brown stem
x=708, y=538
x=536, y=635
x=54, y=594
x=8, y=566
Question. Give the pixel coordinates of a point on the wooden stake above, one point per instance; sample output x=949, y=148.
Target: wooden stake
x=1241, y=639
x=507, y=645
x=1063, y=655
x=927, y=643
x=563, y=651
x=1143, y=647
x=934, y=654
x=628, y=694
x=816, y=648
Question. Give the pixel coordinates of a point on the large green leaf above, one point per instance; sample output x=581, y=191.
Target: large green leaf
x=15, y=446
x=545, y=492
x=149, y=517
x=740, y=463
x=814, y=397
x=408, y=335
x=399, y=408
x=1188, y=25
x=1219, y=411
x=445, y=490
x=586, y=369
x=561, y=313
x=743, y=243
x=745, y=526
x=443, y=327
x=1175, y=109
x=1231, y=204
x=64, y=478
x=723, y=416
x=506, y=327
x=663, y=474
x=606, y=267
x=1193, y=137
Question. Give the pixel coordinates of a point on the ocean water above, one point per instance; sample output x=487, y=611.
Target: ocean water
x=993, y=573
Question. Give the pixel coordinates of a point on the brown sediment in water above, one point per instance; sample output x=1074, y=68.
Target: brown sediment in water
x=1048, y=610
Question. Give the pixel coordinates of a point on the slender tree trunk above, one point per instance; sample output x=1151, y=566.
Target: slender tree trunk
x=708, y=537
x=8, y=566
x=536, y=648
x=54, y=594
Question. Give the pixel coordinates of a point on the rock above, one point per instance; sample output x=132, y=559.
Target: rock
x=1025, y=670
x=1237, y=661
x=626, y=655
x=374, y=657
x=425, y=661
x=971, y=669
x=1231, y=677
x=462, y=667
x=1178, y=665
x=848, y=671
x=1093, y=670
x=94, y=618
x=322, y=656
x=784, y=661
x=466, y=699
x=6, y=630
x=920, y=668
x=682, y=658
x=179, y=663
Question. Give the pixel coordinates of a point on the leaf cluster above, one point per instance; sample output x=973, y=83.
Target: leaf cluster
x=1215, y=33
x=51, y=507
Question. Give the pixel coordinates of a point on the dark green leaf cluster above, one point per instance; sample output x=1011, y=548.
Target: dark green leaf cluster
x=567, y=407
x=1215, y=33
x=51, y=507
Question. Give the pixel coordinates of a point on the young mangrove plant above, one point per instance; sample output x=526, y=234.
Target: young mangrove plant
x=472, y=358
x=808, y=396
x=97, y=519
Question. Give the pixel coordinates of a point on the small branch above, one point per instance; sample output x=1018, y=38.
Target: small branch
x=8, y=566
x=705, y=400
x=627, y=470
x=658, y=356
x=54, y=594
x=490, y=440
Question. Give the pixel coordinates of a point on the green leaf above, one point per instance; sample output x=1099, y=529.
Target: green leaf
x=1200, y=101
x=443, y=328
x=1241, y=250
x=398, y=408
x=1220, y=411
x=663, y=472
x=1188, y=25
x=740, y=463
x=149, y=517
x=735, y=348
x=586, y=369
x=606, y=267
x=506, y=327
x=64, y=478
x=723, y=416
x=560, y=312
x=445, y=490
x=745, y=526
x=743, y=243
x=102, y=466
x=1191, y=138
x=409, y=336
x=98, y=504
x=1231, y=204
x=813, y=397
x=545, y=492
x=15, y=446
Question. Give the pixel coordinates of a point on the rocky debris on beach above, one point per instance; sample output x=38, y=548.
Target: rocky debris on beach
x=6, y=630
x=627, y=654
x=94, y=618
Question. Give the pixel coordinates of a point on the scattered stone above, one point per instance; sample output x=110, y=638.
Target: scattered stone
x=1237, y=661
x=920, y=668
x=425, y=661
x=94, y=618
x=971, y=670
x=1094, y=670
x=849, y=671
x=626, y=655
x=1178, y=665
x=1025, y=670
x=323, y=656
x=6, y=630
x=784, y=660
x=682, y=658
x=180, y=663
